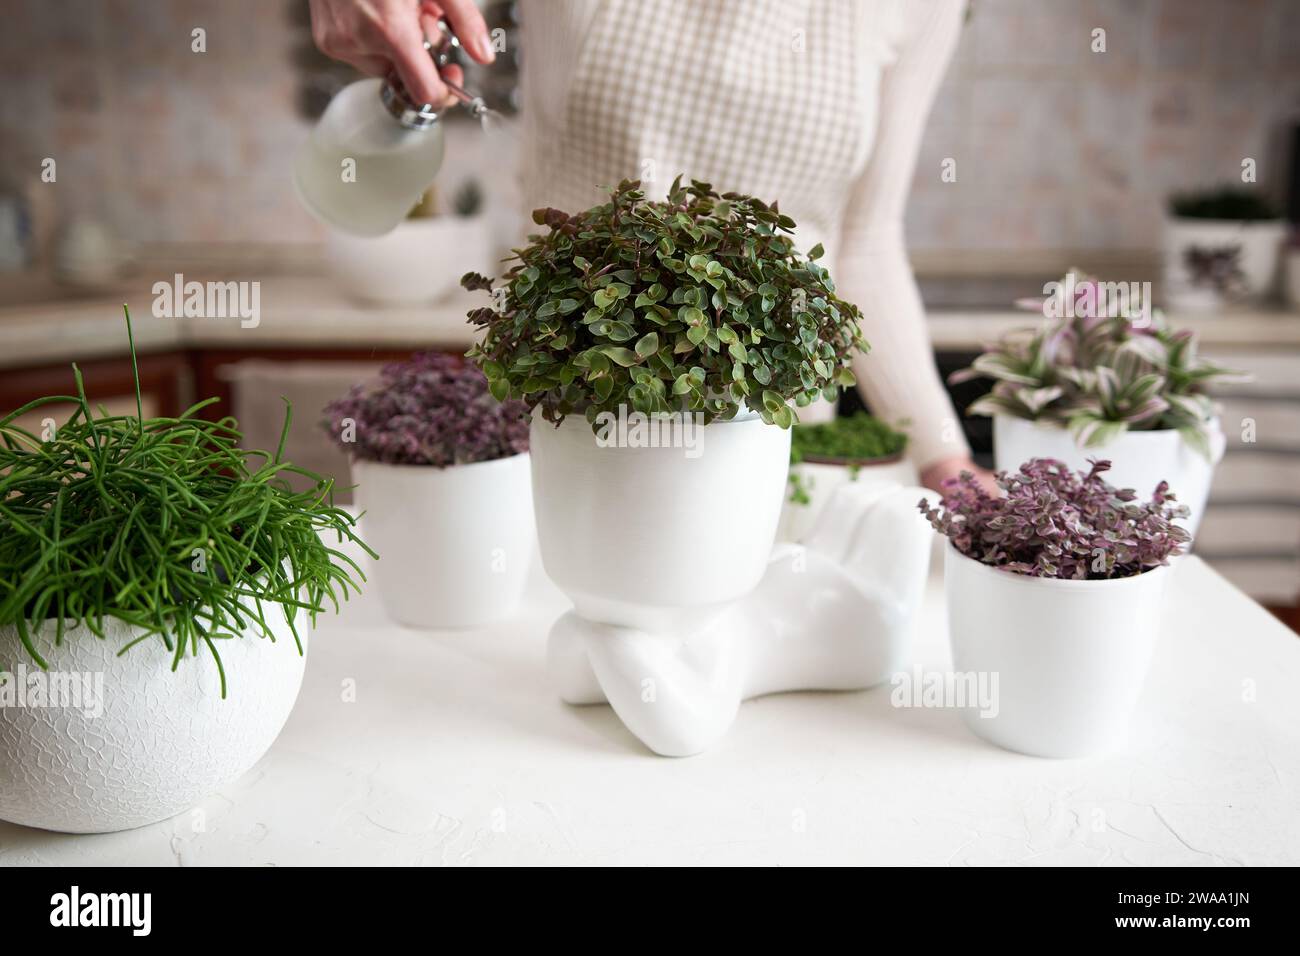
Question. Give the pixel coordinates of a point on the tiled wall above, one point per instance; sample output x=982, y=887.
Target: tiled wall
x=1060, y=147
x=1056, y=146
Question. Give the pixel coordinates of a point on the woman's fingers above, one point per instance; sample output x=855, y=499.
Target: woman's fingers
x=383, y=36
x=468, y=25
x=414, y=65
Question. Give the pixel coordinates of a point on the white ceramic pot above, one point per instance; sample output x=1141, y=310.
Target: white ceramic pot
x=420, y=261
x=635, y=535
x=142, y=743
x=835, y=613
x=1259, y=244
x=818, y=480
x=1069, y=657
x=1292, y=273
x=1139, y=459
x=454, y=543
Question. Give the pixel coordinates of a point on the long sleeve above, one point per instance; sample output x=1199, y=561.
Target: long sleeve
x=899, y=378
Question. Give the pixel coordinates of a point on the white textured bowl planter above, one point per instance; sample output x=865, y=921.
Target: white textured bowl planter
x=819, y=479
x=1139, y=459
x=683, y=608
x=454, y=543
x=1069, y=657
x=157, y=743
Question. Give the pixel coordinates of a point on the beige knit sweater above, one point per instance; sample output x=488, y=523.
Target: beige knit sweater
x=818, y=104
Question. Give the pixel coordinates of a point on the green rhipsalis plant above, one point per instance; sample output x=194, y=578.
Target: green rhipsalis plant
x=166, y=524
x=698, y=304
x=1100, y=371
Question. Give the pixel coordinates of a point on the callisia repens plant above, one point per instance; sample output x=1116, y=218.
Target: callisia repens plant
x=1053, y=522
x=696, y=304
x=1103, y=363
x=432, y=409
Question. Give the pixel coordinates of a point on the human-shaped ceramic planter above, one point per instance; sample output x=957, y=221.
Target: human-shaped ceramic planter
x=683, y=608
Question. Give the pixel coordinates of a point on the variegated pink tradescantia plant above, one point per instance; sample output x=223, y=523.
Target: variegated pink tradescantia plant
x=1107, y=364
x=1052, y=522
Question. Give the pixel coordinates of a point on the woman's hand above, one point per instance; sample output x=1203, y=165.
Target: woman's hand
x=383, y=36
x=936, y=474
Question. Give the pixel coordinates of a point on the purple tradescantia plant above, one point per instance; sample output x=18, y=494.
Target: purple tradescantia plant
x=1052, y=522
x=1105, y=362
x=432, y=409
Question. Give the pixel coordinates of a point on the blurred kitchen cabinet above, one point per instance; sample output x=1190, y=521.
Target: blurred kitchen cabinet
x=166, y=386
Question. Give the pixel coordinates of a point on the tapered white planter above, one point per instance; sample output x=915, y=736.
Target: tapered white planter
x=125, y=741
x=1069, y=657
x=636, y=535
x=682, y=608
x=454, y=543
x=818, y=481
x=1139, y=459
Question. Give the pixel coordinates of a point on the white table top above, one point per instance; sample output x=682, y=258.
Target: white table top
x=456, y=751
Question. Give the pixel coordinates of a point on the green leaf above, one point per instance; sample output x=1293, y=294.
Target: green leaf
x=648, y=344
x=624, y=357
x=499, y=388
x=697, y=334
x=690, y=315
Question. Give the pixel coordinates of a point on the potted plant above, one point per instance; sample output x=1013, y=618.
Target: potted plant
x=659, y=345
x=1105, y=375
x=1055, y=589
x=823, y=456
x=1221, y=244
x=442, y=480
x=156, y=583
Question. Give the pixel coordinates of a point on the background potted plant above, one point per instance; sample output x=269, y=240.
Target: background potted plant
x=398, y=268
x=1221, y=244
x=164, y=576
x=694, y=316
x=823, y=456
x=1055, y=587
x=442, y=478
x=1118, y=382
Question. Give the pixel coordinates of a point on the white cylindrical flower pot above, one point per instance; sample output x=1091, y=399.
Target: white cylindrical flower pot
x=1066, y=660
x=639, y=535
x=1139, y=459
x=818, y=480
x=122, y=741
x=1257, y=245
x=454, y=543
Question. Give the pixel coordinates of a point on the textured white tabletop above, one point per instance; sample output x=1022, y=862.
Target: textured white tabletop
x=456, y=751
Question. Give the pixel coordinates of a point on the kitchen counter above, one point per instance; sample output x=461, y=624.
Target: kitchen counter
x=295, y=311
x=308, y=311
x=457, y=751
x=961, y=330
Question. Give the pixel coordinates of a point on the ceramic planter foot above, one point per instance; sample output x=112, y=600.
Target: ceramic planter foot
x=833, y=614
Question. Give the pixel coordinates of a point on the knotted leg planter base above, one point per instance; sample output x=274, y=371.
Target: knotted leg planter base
x=834, y=613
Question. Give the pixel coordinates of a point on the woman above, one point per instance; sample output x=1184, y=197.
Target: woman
x=819, y=104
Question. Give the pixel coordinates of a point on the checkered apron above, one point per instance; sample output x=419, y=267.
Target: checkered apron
x=776, y=98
